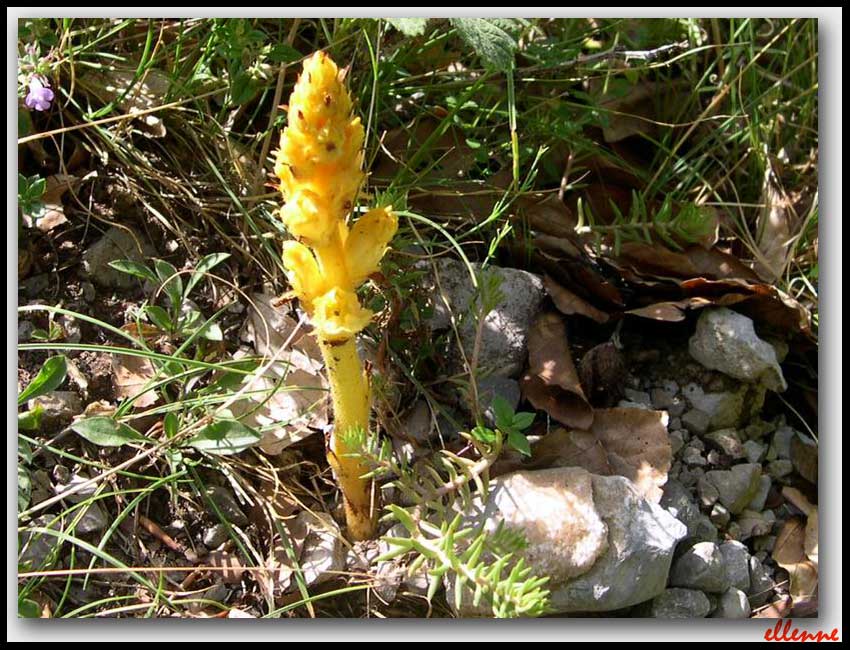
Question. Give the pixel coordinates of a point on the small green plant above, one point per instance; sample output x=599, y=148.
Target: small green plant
x=480, y=564
x=30, y=191
x=182, y=318
x=50, y=377
x=509, y=425
x=675, y=226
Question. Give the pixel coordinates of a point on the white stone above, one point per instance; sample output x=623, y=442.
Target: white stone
x=726, y=341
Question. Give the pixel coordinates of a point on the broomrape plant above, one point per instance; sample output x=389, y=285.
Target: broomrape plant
x=319, y=165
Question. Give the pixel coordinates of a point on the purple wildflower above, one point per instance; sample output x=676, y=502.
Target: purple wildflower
x=40, y=94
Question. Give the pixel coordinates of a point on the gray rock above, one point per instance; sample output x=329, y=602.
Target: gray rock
x=227, y=504
x=601, y=544
x=36, y=285
x=688, y=477
x=780, y=468
x=726, y=341
x=677, y=407
x=641, y=539
x=733, y=603
x=88, y=292
x=92, y=520
x=628, y=404
x=708, y=494
x=215, y=536
x=758, y=429
x=418, y=425
x=37, y=550
x=679, y=503
x=701, y=567
x=727, y=441
x=764, y=543
x=754, y=451
x=662, y=399
x=490, y=387
x=755, y=524
x=115, y=244
x=25, y=329
x=737, y=486
x=69, y=483
x=677, y=441
x=696, y=421
x=804, y=456
x=692, y=392
x=732, y=408
x=693, y=457
x=780, y=447
x=680, y=603
x=638, y=397
x=41, y=487
x=761, y=584
x=555, y=510
x=733, y=531
x=736, y=559
x=760, y=498
x=503, y=349
x=70, y=328
x=59, y=406
x=720, y=515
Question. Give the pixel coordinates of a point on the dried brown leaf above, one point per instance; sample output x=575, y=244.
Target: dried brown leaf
x=546, y=214
x=641, y=109
x=810, y=544
x=761, y=302
x=565, y=263
x=798, y=499
x=790, y=553
x=229, y=564
x=51, y=211
x=269, y=328
x=669, y=311
x=625, y=442
x=775, y=226
x=657, y=260
x=288, y=397
x=551, y=383
x=804, y=455
x=131, y=375
x=569, y=303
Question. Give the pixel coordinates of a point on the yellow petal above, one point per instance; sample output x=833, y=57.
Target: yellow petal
x=337, y=315
x=367, y=242
x=308, y=217
x=303, y=272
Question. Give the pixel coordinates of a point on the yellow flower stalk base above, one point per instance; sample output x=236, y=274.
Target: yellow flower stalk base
x=350, y=394
x=319, y=167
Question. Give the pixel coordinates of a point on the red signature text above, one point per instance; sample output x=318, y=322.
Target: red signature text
x=787, y=632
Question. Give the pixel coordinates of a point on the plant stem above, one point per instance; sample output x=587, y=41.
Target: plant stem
x=350, y=394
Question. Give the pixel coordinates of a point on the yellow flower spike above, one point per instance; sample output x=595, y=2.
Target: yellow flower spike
x=319, y=167
x=367, y=242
